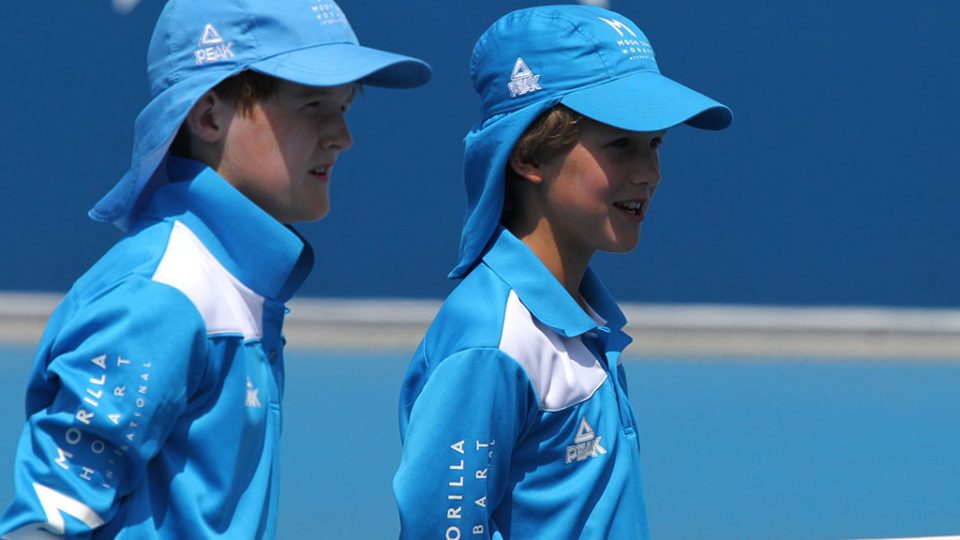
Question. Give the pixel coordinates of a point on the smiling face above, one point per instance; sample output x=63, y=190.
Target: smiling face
x=280, y=152
x=596, y=195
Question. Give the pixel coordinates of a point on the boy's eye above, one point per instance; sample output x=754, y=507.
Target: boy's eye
x=622, y=142
x=656, y=142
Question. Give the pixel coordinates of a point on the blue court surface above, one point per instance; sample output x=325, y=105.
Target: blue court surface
x=761, y=449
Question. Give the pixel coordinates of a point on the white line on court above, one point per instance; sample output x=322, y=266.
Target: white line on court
x=917, y=538
x=657, y=329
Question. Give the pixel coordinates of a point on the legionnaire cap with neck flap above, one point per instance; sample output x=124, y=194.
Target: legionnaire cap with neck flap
x=592, y=60
x=197, y=44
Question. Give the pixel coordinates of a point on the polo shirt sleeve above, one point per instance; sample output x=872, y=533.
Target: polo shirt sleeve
x=458, y=443
x=112, y=376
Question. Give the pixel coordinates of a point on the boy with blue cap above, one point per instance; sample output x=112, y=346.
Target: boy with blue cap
x=514, y=412
x=154, y=403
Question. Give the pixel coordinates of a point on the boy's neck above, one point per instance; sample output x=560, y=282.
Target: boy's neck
x=567, y=265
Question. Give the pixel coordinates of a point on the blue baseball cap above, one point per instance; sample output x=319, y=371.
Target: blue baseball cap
x=197, y=44
x=592, y=60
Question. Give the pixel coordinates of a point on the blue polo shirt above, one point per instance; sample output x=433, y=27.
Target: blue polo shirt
x=514, y=413
x=153, y=408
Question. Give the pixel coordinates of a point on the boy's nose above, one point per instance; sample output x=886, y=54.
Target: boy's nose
x=646, y=173
x=339, y=137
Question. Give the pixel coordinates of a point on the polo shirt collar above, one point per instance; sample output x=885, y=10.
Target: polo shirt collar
x=542, y=293
x=269, y=257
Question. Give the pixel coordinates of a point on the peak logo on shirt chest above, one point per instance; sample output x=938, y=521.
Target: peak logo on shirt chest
x=585, y=445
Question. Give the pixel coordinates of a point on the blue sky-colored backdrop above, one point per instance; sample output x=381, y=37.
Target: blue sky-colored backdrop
x=836, y=184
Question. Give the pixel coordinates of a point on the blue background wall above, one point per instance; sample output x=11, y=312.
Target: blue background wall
x=836, y=184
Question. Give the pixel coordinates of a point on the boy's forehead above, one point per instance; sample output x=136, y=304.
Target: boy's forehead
x=322, y=92
x=590, y=124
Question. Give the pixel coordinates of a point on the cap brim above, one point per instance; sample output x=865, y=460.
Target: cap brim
x=648, y=101
x=342, y=63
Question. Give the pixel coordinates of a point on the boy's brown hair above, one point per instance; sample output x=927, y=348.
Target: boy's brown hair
x=553, y=133
x=242, y=90
x=246, y=88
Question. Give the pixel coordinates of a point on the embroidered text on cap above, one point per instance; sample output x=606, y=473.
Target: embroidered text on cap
x=215, y=50
x=636, y=48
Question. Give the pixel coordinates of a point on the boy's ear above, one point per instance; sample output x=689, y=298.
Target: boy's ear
x=206, y=119
x=525, y=169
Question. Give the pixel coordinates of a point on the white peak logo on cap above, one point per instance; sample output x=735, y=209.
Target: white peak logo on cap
x=210, y=36
x=212, y=48
x=618, y=26
x=522, y=80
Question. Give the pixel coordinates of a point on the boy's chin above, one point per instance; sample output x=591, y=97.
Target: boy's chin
x=318, y=216
x=309, y=215
x=623, y=245
x=309, y=218
x=621, y=250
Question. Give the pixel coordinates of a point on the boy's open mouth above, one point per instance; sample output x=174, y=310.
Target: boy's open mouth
x=634, y=208
x=322, y=171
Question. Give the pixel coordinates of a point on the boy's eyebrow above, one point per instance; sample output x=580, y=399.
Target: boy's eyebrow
x=310, y=92
x=319, y=91
x=325, y=93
